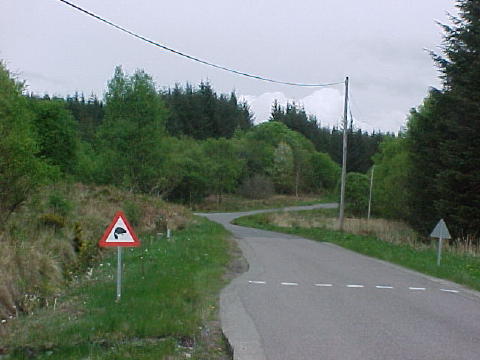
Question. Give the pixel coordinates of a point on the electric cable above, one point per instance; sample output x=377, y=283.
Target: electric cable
x=356, y=119
x=193, y=58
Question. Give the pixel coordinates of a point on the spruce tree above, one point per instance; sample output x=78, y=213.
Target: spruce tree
x=443, y=134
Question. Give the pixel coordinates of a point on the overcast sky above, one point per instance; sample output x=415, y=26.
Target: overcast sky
x=380, y=44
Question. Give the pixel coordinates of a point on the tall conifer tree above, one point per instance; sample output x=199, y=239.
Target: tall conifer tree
x=443, y=134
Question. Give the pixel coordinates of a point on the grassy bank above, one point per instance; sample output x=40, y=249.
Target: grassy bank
x=461, y=268
x=233, y=203
x=52, y=238
x=167, y=311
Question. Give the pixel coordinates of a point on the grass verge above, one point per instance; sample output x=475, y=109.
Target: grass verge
x=52, y=239
x=168, y=307
x=462, y=269
x=234, y=203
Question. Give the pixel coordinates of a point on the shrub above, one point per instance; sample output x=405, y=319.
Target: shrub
x=132, y=212
x=55, y=221
x=257, y=187
x=78, y=240
x=326, y=172
x=59, y=204
x=356, y=193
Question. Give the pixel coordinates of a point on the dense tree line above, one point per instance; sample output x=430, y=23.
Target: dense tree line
x=151, y=141
x=200, y=113
x=88, y=113
x=361, y=145
x=182, y=143
x=433, y=170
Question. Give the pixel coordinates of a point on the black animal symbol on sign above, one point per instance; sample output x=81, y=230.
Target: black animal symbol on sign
x=119, y=231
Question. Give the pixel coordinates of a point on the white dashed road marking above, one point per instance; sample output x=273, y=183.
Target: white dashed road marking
x=450, y=291
x=258, y=282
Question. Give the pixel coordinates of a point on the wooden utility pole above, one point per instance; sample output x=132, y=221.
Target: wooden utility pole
x=344, y=159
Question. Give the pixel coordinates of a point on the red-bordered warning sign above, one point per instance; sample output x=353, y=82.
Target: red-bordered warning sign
x=119, y=233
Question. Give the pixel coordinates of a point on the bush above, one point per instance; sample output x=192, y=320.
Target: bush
x=356, y=193
x=257, y=187
x=132, y=212
x=53, y=220
x=326, y=172
x=390, y=182
x=59, y=204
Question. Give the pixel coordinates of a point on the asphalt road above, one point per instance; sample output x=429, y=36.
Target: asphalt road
x=302, y=299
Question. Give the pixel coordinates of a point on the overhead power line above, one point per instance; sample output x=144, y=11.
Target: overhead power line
x=190, y=57
x=359, y=119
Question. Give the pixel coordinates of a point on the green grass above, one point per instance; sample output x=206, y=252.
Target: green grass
x=234, y=203
x=462, y=269
x=170, y=294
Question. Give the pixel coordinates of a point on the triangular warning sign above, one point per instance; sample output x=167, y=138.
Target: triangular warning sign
x=441, y=231
x=119, y=233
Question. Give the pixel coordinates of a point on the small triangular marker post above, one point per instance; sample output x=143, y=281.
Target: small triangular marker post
x=441, y=231
x=119, y=233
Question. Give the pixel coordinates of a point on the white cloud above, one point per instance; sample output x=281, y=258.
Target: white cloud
x=391, y=121
x=262, y=105
x=326, y=104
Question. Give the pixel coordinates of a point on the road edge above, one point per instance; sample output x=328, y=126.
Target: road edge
x=245, y=343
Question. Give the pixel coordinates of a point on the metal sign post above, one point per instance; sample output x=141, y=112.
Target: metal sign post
x=441, y=232
x=119, y=273
x=439, y=251
x=119, y=234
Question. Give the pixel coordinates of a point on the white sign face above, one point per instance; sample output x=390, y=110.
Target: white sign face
x=120, y=233
x=441, y=231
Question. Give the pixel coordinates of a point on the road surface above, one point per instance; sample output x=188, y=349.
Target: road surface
x=302, y=299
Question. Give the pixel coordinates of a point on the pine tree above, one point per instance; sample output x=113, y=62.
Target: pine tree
x=200, y=113
x=443, y=134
